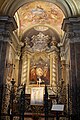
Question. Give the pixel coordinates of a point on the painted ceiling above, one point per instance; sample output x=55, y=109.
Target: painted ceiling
x=41, y=15
x=38, y=20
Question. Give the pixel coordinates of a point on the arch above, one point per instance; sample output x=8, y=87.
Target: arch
x=49, y=27
x=46, y=25
x=68, y=7
x=72, y=6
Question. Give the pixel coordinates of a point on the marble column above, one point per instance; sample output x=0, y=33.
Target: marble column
x=54, y=71
x=71, y=26
x=24, y=73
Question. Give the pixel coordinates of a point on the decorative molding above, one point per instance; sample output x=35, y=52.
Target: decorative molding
x=73, y=34
x=7, y=26
x=7, y=22
x=72, y=37
x=71, y=24
x=13, y=41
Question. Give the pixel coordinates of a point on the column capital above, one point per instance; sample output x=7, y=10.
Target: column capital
x=71, y=24
x=7, y=26
x=7, y=23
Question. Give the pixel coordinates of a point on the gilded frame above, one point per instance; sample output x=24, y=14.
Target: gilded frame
x=36, y=57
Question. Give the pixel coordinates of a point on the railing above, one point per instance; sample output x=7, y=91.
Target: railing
x=24, y=109
x=15, y=98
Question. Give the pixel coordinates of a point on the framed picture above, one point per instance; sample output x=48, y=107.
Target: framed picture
x=37, y=95
x=39, y=72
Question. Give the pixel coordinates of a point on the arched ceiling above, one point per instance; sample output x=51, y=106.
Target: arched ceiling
x=70, y=7
x=39, y=15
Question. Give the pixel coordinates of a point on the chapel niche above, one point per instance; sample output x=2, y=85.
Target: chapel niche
x=40, y=57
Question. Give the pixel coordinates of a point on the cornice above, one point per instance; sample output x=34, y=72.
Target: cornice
x=7, y=23
x=71, y=24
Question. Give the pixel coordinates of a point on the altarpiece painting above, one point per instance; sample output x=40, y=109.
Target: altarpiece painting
x=39, y=70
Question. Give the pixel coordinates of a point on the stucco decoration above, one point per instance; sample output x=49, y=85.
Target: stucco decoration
x=40, y=43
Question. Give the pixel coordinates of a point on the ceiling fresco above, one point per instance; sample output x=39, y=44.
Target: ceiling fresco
x=40, y=13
